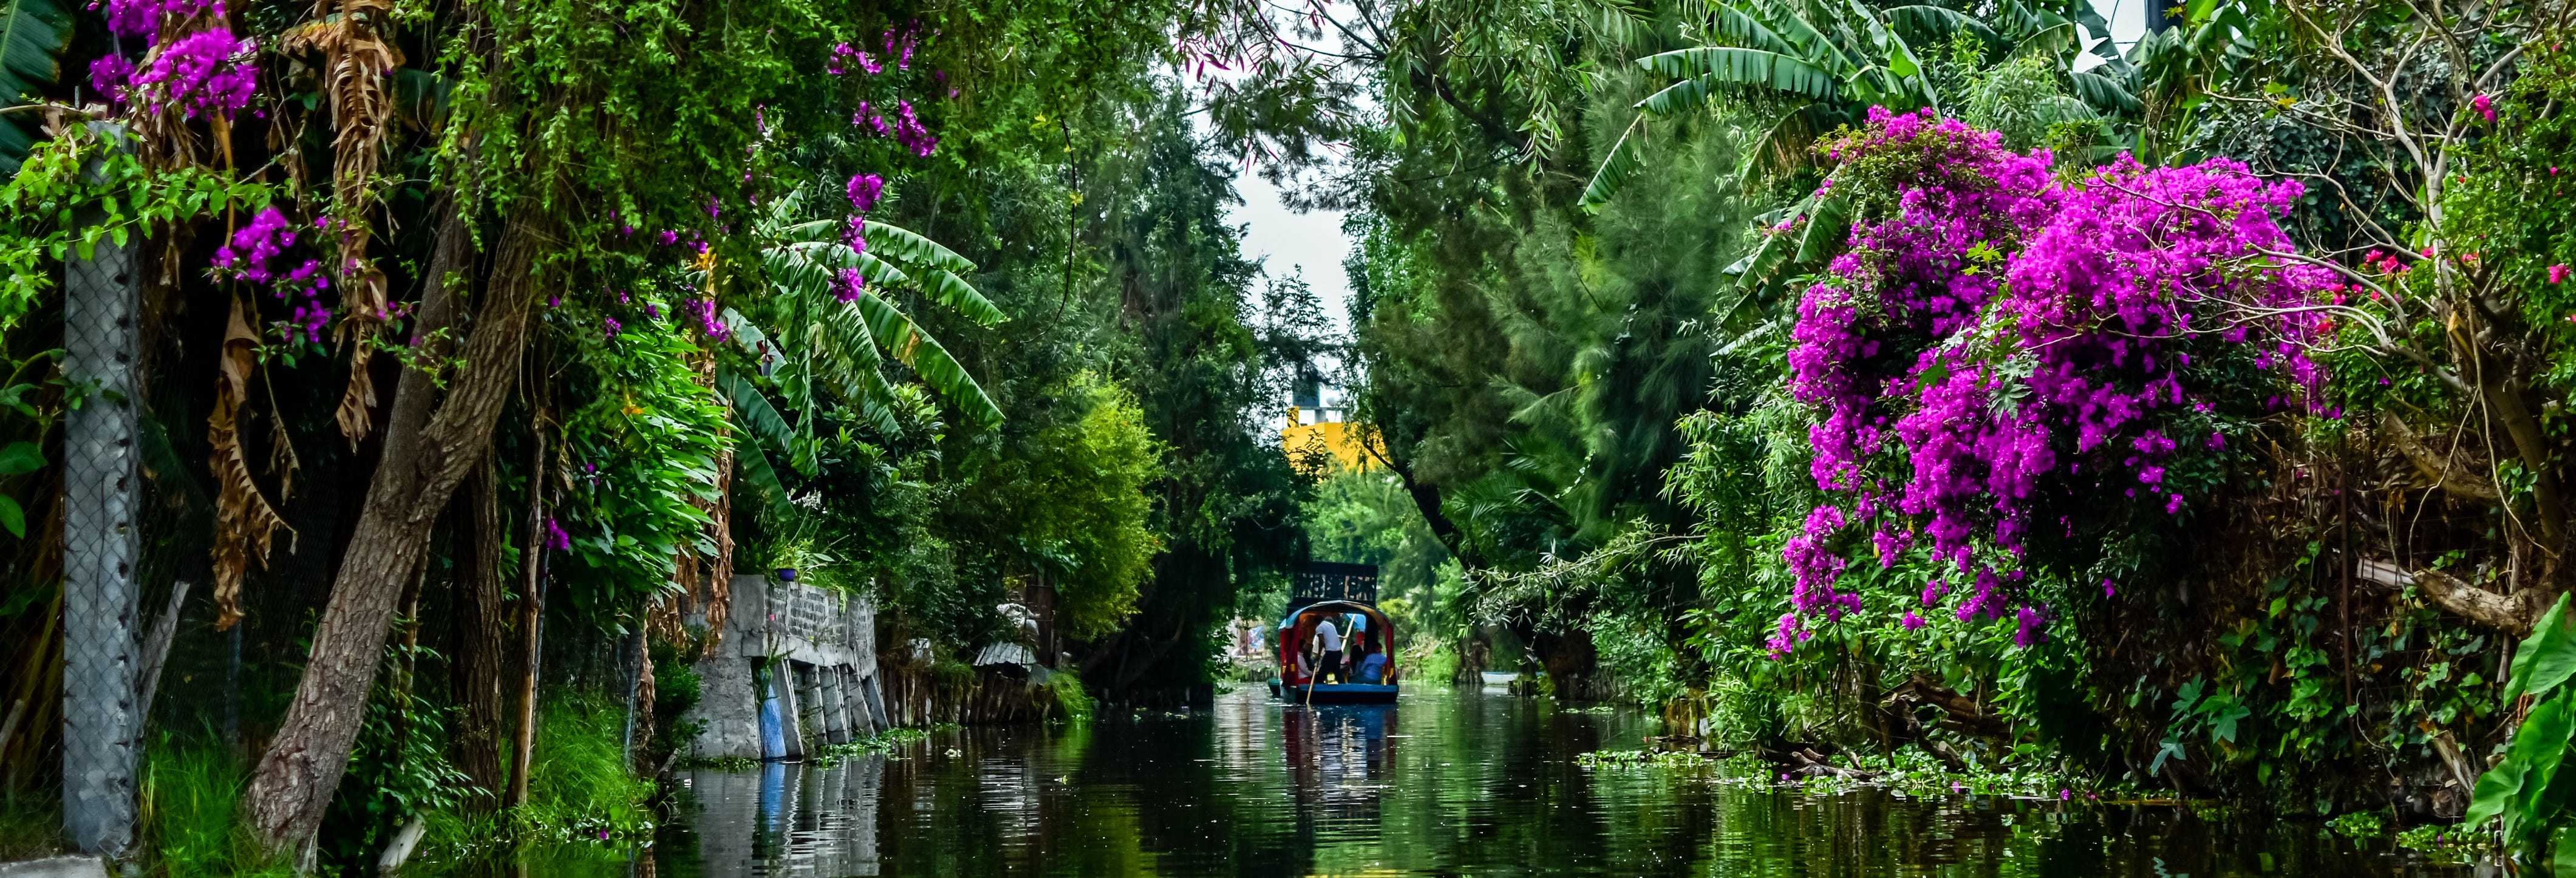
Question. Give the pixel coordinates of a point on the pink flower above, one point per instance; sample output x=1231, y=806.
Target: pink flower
x=864, y=190
x=2485, y=107
x=1911, y=622
x=2558, y=273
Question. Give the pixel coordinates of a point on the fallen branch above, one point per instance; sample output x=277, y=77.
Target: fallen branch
x=1806, y=762
x=2512, y=614
x=1964, y=713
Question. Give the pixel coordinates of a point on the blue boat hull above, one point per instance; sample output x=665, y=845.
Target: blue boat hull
x=1339, y=693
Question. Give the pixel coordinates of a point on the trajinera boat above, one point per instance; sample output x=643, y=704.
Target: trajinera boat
x=1346, y=595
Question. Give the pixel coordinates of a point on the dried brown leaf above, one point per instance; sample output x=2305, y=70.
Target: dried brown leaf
x=244, y=521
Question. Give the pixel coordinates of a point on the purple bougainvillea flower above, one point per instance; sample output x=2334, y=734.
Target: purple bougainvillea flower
x=864, y=190
x=2092, y=280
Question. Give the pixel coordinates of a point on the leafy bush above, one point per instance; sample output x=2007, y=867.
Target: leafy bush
x=2529, y=789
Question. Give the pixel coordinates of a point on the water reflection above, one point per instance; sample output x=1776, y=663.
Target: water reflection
x=1442, y=783
x=783, y=820
x=1337, y=754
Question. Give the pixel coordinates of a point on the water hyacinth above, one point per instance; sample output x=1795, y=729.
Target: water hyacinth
x=1997, y=335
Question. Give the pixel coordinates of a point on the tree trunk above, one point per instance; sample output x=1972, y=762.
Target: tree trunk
x=481, y=644
x=425, y=456
x=532, y=604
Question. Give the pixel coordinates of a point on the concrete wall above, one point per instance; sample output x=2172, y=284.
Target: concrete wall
x=801, y=660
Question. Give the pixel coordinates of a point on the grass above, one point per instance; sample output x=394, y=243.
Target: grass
x=582, y=785
x=1070, y=698
x=582, y=789
x=191, y=793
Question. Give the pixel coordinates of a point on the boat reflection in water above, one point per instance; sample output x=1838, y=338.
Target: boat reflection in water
x=1338, y=760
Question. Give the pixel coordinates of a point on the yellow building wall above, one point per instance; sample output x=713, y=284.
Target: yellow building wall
x=1329, y=446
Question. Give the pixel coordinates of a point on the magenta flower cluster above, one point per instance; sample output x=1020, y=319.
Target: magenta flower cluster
x=705, y=311
x=906, y=127
x=2001, y=335
x=194, y=64
x=248, y=255
x=898, y=45
x=864, y=190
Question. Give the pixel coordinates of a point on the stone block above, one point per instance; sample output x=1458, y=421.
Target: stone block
x=56, y=867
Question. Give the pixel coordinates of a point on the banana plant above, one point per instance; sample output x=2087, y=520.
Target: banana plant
x=33, y=34
x=2531, y=789
x=824, y=339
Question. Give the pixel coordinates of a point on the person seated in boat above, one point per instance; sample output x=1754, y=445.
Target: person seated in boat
x=1372, y=669
x=1328, y=640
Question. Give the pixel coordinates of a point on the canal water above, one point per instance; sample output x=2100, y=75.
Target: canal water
x=1445, y=782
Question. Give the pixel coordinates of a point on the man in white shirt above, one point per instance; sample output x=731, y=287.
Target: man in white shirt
x=1329, y=639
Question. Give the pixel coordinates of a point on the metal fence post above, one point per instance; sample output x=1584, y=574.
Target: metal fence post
x=101, y=545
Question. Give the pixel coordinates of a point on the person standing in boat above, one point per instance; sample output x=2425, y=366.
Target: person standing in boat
x=1328, y=640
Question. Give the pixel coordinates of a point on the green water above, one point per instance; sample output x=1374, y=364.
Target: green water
x=1445, y=782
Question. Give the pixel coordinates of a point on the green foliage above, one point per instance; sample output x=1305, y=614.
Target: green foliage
x=399, y=770
x=2527, y=789
x=1076, y=705
x=1086, y=509
x=77, y=190
x=841, y=341
x=1824, y=64
x=2360, y=825
x=641, y=451
x=33, y=34
x=1366, y=517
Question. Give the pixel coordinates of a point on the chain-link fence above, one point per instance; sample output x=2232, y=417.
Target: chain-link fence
x=101, y=549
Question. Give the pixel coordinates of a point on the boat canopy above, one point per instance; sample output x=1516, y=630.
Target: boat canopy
x=1359, y=621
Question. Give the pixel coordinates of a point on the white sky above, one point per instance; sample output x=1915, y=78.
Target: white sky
x=1290, y=243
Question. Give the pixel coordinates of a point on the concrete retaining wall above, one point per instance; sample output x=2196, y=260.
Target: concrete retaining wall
x=796, y=669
